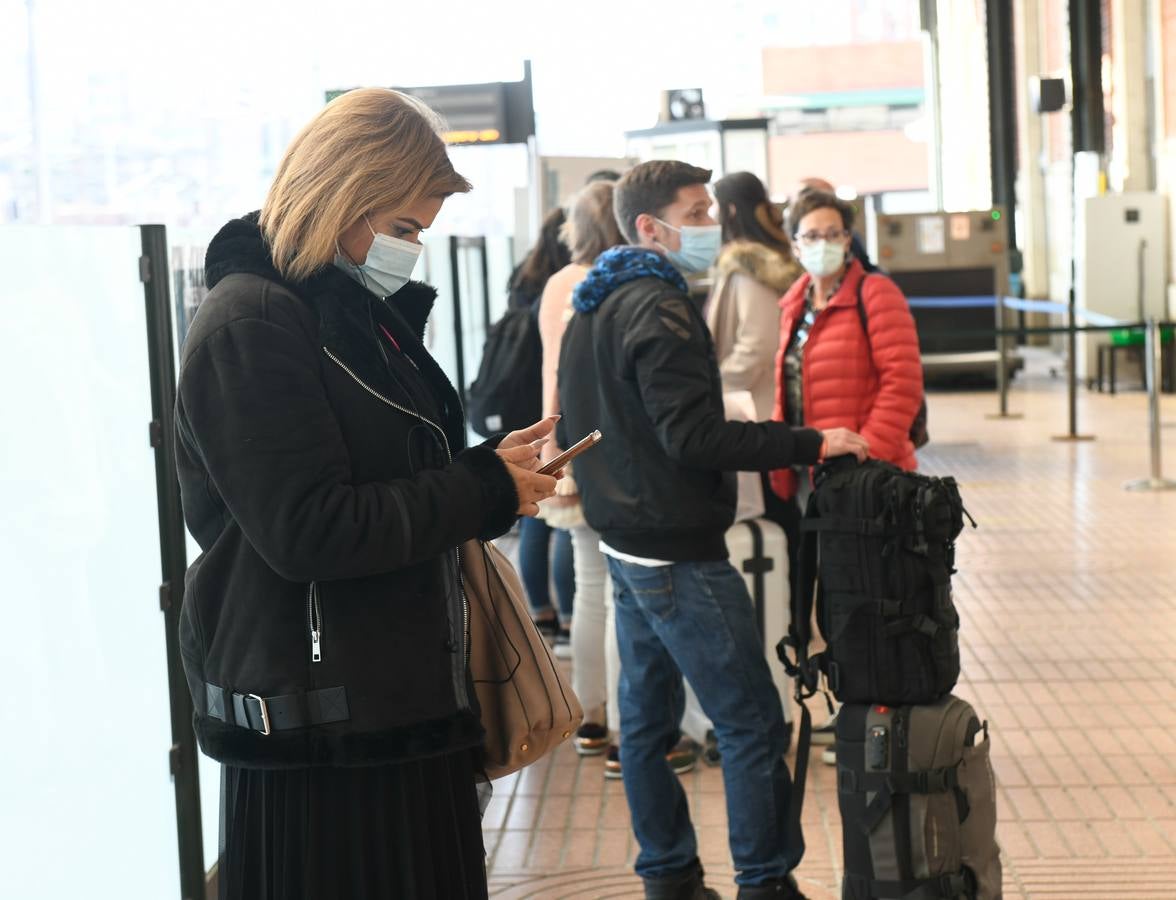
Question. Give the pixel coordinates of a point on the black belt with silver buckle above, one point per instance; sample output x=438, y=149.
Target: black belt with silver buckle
x=280, y=713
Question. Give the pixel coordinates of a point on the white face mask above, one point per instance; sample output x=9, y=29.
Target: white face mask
x=822, y=258
x=389, y=263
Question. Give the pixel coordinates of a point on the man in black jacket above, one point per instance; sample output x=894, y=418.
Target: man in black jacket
x=638, y=363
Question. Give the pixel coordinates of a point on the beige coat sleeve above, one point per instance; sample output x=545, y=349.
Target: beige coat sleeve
x=554, y=307
x=748, y=332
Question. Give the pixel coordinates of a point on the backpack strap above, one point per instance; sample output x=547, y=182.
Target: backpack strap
x=861, y=311
x=885, y=786
x=804, y=590
x=804, y=671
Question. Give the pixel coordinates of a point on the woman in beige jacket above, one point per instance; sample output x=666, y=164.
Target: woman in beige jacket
x=754, y=270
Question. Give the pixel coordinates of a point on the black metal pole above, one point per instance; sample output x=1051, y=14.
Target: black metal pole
x=153, y=269
x=1002, y=136
x=1087, y=115
x=1002, y=118
x=1072, y=364
x=1088, y=134
x=485, y=283
x=458, y=338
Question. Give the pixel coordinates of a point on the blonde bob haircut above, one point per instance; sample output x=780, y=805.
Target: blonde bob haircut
x=591, y=227
x=368, y=149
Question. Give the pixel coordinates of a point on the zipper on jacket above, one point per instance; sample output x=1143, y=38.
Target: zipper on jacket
x=465, y=609
x=314, y=618
x=459, y=678
x=408, y=412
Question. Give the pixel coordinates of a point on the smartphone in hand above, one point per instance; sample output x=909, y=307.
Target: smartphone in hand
x=571, y=453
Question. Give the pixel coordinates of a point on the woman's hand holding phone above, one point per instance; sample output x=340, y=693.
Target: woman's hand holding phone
x=531, y=486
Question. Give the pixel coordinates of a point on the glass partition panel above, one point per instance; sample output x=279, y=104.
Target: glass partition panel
x=88, y=805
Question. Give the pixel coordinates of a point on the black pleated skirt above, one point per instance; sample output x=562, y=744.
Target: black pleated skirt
x=410, y=830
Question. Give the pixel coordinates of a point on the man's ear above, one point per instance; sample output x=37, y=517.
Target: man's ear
x=646, y=227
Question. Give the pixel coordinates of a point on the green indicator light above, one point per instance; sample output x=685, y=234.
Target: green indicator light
x=996, y=215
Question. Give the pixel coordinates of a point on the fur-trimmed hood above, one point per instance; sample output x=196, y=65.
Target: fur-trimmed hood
x=755, y=260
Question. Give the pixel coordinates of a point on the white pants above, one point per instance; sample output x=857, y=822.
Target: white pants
x=596, y=667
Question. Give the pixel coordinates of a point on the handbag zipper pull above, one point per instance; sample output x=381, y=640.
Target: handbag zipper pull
x=316, y=646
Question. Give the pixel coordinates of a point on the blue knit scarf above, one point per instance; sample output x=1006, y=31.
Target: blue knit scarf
x=619, y=266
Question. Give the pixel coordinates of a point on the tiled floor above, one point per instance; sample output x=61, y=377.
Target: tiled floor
x=1067, y=594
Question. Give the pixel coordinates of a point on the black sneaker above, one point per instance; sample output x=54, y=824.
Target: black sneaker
x=687, y=885
x=548, y=627
x=562, y=645
x=779, y=889
x=591, y=739
x=612, y=762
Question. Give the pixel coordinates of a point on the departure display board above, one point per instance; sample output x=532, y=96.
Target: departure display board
x=501, y=112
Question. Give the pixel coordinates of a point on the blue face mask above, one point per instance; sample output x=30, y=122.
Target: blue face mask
x=700, y=246
x=388, y=265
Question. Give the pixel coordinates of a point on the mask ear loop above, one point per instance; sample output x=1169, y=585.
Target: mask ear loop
x=358, y=268
x=664, y=224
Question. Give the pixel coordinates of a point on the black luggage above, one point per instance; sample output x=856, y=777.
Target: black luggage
x=918, y=803
x=877, y=555
x=507, y=393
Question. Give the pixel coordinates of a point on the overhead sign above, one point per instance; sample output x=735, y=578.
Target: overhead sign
x=501, y=112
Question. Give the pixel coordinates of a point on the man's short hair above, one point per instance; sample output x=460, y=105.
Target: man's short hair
x=649, y=188
x=810, y=201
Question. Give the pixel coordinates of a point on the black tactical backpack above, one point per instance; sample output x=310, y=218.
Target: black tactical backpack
x=507, y=394
x=877, y=555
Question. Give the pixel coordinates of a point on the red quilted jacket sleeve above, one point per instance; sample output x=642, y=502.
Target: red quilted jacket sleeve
x=894, y=347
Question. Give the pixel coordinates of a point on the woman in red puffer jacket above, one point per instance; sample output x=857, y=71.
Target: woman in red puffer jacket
x=829, y=372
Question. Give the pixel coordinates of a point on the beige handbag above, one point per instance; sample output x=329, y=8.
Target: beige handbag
x=528, y=707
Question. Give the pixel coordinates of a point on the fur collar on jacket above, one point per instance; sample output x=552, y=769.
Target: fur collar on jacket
x=755, y=260
x=240, y=247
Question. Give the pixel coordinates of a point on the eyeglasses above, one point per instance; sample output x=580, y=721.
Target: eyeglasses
x=833, y=234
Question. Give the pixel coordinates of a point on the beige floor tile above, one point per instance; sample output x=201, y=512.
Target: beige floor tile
x=1067, y=597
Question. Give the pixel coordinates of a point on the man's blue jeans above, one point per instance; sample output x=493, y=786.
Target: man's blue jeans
x=697, y=620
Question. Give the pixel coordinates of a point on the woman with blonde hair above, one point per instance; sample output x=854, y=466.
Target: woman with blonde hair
x=324, y=473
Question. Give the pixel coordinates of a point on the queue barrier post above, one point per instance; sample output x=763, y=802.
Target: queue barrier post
x=1152, y=362
x=1002, y=364
x=1072, y=434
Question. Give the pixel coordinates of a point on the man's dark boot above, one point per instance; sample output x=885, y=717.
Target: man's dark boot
x=685, y=885
x=779, y=889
